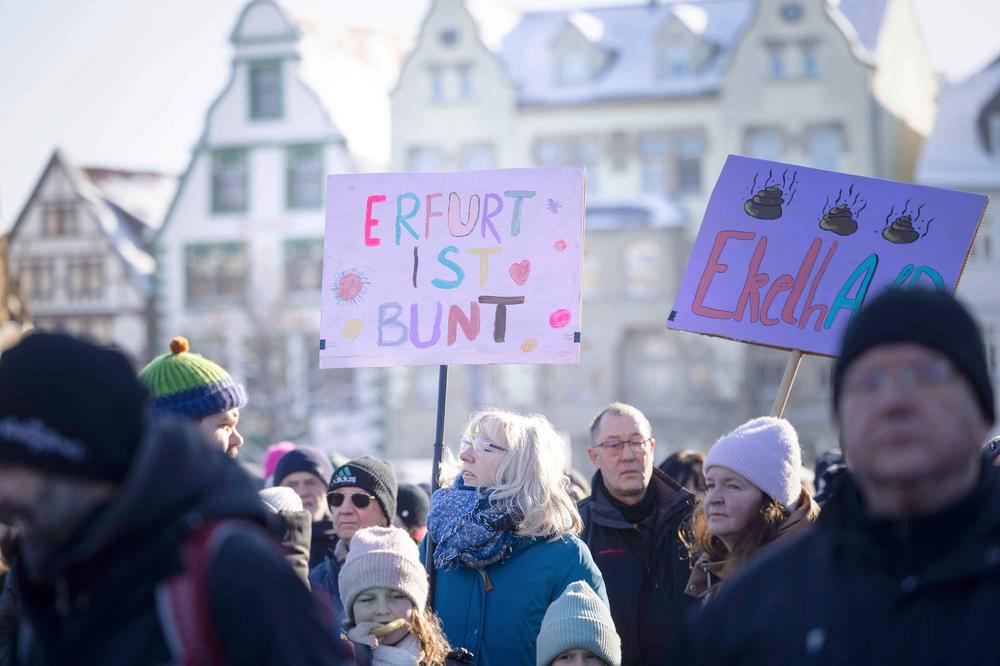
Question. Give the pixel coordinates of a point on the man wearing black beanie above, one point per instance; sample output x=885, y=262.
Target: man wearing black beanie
x=362, y=493
x=130, y=527
x=903, y=565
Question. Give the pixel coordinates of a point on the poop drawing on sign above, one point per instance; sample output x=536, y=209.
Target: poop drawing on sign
x=842, y=216
x=906, y=227
x=765, y=203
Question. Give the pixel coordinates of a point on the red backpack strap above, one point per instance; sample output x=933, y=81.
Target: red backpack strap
x=182, y=601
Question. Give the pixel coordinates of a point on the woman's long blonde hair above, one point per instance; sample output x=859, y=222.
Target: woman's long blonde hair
x=531, y=480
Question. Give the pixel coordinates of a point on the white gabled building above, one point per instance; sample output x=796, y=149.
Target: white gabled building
x=963, y=153
x=651, y=98
x=241, y=250
x=78, y=251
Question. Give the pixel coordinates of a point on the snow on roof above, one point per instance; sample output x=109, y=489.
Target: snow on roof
x=954, y=154
x=116, y=221
x=629, y=33
x=145, y=195
x=644, y=210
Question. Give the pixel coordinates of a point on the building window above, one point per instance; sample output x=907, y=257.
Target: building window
x=676, y=62
x=592, y=281
x=571, y=151
x=422, y=159
x=435, y=74
x=477, y=157
x=265, y=89
x=216, y=274
x=59, y=219
x=448, y=37
x=982, y=247
x=649, y=372
x=229, y=180
x=994, y=130
x=303, y=264
x=825, y=146
x=464, y=81
x=763, y=143
x=84, y=278
x=572, y=68
x=810, y=60
x=791, y=12
x=689, y=150
x=38, y=279
x=304, y=176
x=653, y=154
x=776, y=62
x=644, y=269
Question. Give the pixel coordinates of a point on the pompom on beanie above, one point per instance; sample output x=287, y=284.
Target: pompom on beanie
x=578, y=620
x=382, y=557
x=189, y=384
x=765, y=451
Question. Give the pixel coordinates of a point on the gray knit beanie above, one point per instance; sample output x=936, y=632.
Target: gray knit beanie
x=578, y=620
x=382, y=557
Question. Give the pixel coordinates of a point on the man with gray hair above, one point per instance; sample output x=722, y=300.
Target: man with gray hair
x=631, y=525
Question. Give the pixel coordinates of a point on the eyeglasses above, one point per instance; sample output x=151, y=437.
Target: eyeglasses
x=616, y=446
x=480, y=445
x=917, y=375
x=359, y=500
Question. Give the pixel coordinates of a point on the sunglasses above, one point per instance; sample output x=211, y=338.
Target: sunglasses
x=359, y=500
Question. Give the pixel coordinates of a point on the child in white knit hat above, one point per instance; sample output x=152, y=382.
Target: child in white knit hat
x=754, y=496
x=384, y=589
x=577, y=630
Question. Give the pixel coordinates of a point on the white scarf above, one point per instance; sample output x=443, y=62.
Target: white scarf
x=404, y=653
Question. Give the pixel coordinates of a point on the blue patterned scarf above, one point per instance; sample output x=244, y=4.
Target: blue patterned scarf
x=469, y=529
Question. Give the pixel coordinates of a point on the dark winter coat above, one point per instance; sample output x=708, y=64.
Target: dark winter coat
x=854, y=590
x=645, y=566
x=325, y=580
x=323, y=538
x=97, y=602
x=294, y=533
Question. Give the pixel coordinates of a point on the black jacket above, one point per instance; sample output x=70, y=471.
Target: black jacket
x=97, y=602
x=853, y=590
x=323, y=538
x=645, y=566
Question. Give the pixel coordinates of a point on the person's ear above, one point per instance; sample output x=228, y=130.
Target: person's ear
x=592, y=454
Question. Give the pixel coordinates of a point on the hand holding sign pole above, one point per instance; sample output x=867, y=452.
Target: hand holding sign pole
x=786, y=255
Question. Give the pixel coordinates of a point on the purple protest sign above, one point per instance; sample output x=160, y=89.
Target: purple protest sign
x=452, y=268
x=787, y=254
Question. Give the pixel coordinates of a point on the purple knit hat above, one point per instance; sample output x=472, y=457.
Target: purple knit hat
x=765, y=451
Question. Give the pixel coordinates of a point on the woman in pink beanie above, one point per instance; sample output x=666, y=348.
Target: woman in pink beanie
x=754, y=497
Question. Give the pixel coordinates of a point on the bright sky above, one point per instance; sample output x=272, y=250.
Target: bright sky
x=126, y=83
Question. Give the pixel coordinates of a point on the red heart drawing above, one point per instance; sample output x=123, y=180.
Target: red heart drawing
x=519, y=271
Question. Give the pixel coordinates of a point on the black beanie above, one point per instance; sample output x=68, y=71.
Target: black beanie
x=304, y=459
x=69, y=406
x=925, y=317
x=375, y=476
x=412, y=506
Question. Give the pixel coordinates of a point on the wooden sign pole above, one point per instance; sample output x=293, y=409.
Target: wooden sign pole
x=791, y=369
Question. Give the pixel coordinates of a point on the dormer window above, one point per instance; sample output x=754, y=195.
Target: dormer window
x=676, y=62
x=573, y=68
x=791, y=12
x=265, y=89
x=776, y=70
x=994, y=133
x=435, y=79
x=448, y=37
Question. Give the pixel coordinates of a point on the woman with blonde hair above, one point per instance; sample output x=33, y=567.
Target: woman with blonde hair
x=504, y=530
x=754, y=496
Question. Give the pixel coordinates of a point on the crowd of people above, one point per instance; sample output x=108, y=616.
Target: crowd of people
x=129, y=535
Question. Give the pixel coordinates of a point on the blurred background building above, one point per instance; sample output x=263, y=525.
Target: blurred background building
x=649, y=97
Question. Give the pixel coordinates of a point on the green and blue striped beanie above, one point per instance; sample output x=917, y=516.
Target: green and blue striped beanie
x=190, y=384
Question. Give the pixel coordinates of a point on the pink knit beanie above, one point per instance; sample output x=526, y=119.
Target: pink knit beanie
x=274, y=453
x=382, y=557
x=765, y=451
